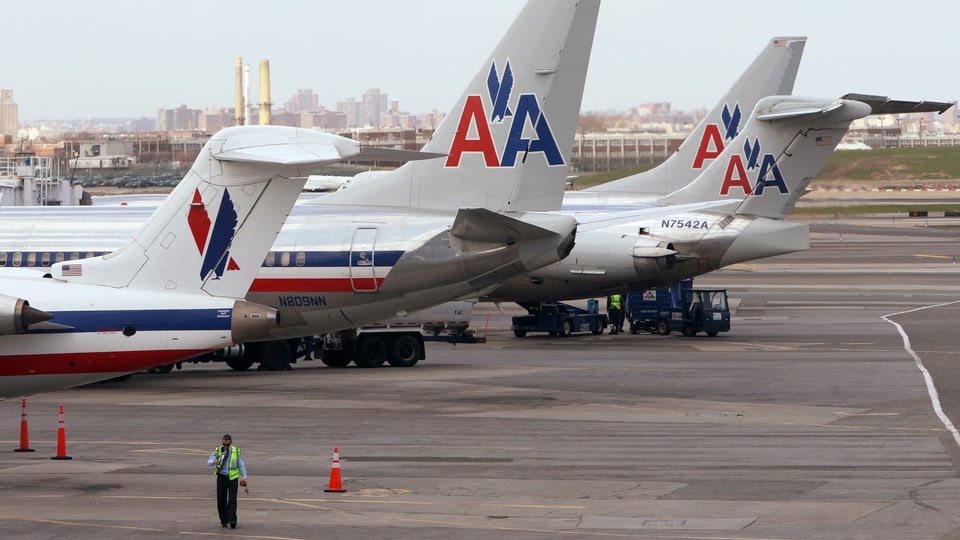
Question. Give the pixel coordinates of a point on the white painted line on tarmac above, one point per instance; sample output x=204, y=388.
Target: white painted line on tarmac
x=931, y=387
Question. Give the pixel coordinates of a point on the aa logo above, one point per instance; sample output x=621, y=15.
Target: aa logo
x=713, y=141
x=474, y=133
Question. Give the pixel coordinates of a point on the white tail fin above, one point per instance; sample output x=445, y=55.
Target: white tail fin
x=211, y=234
x=782, y=147
x=510, y=135
x=773, y=72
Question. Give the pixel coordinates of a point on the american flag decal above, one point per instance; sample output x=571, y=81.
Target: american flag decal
x=779, y=43
x=824, y=140
x=73, y=270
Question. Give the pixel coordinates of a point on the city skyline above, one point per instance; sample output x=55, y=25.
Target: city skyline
x=113, y=60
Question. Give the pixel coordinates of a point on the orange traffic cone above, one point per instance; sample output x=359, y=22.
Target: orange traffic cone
x=61, y=438
x=24, y=432
x=336, y=486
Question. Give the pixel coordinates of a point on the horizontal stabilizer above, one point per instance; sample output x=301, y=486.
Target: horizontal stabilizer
x=372, y=153
x=482, y=225
x=284, y=147
x=796, y=109
x=885, y=105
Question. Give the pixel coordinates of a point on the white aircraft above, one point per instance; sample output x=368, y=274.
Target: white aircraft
x=454, y=230
x=173, y=291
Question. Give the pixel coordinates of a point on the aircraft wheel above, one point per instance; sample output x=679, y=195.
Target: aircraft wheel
x=166, y=368
x=405, y=351
x=336, y=359
x=663, y=327
x=371, y=352
x=275, y=355
x=240, y=364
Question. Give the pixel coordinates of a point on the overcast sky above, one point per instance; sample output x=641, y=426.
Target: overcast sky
x=122, y=58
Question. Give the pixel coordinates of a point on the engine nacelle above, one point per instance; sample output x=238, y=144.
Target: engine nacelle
x=251, y=321
x=16, y=315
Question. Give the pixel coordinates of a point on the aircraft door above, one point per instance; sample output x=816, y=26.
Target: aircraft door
x=363, y=271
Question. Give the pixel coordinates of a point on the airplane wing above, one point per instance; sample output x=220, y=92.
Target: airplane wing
x=885, y=105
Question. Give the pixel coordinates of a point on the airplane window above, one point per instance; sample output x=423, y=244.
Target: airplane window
x=44, y=259
x=17, y=258
x=74, y=256
x=90, y=255
x=58, y=258
x=31, y=259
x=285, y=258
x=271, y=259
x=3, y=258
x=301, y=258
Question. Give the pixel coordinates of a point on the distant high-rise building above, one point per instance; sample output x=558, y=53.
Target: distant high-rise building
x=9, y=119
x=352, y=109
x=179, y=119
x=304, y=100
x=374, y=104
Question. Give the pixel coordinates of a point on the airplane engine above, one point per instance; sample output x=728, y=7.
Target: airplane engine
x=16, y=315
x=251, y=321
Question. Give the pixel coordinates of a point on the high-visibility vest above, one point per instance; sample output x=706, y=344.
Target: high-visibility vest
x=233, y=464
x=615, y=302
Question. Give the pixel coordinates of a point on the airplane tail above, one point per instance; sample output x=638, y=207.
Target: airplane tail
x=509, y=137
x=210, y=235
x=773, y=72
x=783, y=146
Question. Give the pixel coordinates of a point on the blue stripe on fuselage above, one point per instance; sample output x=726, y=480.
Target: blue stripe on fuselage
x=146, y=320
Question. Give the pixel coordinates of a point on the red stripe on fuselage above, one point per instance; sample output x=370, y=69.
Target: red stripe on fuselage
x=314, y=285
x=90, y=362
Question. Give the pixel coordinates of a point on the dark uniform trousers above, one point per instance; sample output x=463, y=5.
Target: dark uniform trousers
x=227, y=498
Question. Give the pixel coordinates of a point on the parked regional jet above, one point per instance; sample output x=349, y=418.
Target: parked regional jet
x=454, y=230
x=174, y=290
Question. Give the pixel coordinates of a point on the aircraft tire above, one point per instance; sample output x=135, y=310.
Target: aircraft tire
x=166, y=368
x=275, y=355
x=335, y=359
x=240, y=364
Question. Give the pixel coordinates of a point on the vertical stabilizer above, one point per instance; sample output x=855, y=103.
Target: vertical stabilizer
x=509, y=136
x=773, y=72
x=782, y=147
x=211, y=233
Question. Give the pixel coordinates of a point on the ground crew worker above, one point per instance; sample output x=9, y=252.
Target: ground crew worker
x=615, y=310
x=231, y=473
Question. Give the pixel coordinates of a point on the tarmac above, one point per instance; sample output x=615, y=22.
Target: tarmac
x=826, y=412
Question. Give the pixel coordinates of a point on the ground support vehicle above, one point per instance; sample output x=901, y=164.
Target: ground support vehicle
x=679, y=307
x=559, y=319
